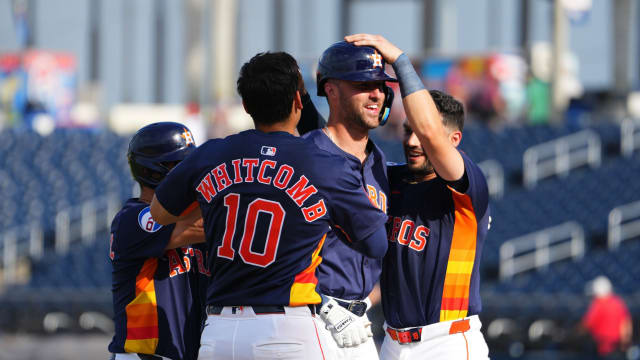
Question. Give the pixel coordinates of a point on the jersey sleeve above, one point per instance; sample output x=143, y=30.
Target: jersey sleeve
x=352, y=212
x=176, y=191
x=138, y=236
x=477, y=189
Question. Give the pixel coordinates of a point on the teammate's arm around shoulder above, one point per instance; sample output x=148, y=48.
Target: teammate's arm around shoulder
x=161, y=215
x=189, y=230
x=423, y=115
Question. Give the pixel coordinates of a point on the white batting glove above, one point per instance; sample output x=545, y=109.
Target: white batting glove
x=367, y=328
x=345, y=328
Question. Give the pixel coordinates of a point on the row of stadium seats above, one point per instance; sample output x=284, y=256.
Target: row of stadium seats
x=507, y=145
x=586, y=196
x=42, y=175
x=620, y=265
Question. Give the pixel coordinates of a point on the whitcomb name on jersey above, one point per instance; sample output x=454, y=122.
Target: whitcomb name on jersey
x=269, y=173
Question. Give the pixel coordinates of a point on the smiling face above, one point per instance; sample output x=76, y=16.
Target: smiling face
x=417, y=160
x=359, y=102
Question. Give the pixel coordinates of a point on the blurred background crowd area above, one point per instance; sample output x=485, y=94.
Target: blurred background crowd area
x=551, y=90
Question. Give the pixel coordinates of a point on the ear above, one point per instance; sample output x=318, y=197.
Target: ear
x=455, y=137
x=329, y=88
x=297, y=101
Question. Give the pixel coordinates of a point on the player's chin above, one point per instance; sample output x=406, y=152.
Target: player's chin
x=416, y=163
x=369, y=124
x=372, y=122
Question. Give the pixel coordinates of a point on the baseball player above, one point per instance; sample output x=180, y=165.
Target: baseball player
x=353, y=80
x=157, y=277
x=267, y=199
x=439, y=216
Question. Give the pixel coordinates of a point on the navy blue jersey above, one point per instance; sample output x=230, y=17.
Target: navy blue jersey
x=268, y=200
x=431, y=270
x=346, y=273
x=157, y=298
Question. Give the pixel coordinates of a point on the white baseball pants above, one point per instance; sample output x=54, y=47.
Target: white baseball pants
x=440, y=341
x=238, y=333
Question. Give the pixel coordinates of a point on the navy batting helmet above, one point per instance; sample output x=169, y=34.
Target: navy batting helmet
x=345, y=61
x=155, y=149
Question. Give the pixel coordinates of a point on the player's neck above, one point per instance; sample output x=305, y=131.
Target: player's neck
x=146, y=194
x=287, y=125
x=352, y=141
x=416, y=178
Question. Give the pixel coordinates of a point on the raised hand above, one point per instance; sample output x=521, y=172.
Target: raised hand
x=388, y=51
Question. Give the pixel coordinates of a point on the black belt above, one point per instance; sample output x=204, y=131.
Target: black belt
x=357, y=307
x=148, y=357
x=257, y=309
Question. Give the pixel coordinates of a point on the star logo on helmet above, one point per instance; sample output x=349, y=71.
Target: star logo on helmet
x=377, y=59
x=186, y=135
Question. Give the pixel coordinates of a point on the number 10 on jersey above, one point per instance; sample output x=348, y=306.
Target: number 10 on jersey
x=276, y=213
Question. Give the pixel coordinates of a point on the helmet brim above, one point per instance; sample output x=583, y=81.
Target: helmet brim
x=365, y=76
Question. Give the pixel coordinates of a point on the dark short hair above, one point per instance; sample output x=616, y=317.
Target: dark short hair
x=451, y=109
x=268, y=84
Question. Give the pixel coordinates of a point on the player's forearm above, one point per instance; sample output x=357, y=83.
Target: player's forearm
x=422, y=113
x=160, y=214
x=186, y=233
x=426, y=122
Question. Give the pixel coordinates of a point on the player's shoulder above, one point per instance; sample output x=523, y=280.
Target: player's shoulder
x=134, y=217
x=130, y=208
x=470, y=167
x=209, y=144
x=324, y=162
x=319, y=138
x=313, y=134
x=377, y=152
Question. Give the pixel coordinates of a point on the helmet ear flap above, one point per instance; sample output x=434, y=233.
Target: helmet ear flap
x=386, y=105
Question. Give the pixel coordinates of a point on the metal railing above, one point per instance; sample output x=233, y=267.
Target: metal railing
x=624, y=224
x=540, y=248
x=494, y=173
x=558, y=156
x=16, y=242
x=77, y=223
x=629, y=137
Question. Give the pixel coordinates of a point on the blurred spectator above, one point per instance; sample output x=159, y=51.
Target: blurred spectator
x=608, y=320
x=538, y=96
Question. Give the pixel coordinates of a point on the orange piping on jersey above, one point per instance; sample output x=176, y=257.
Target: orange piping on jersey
x=190, y=208
x=303, y=289
x=342, y=231
x=142, y=313
x=457, y=281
